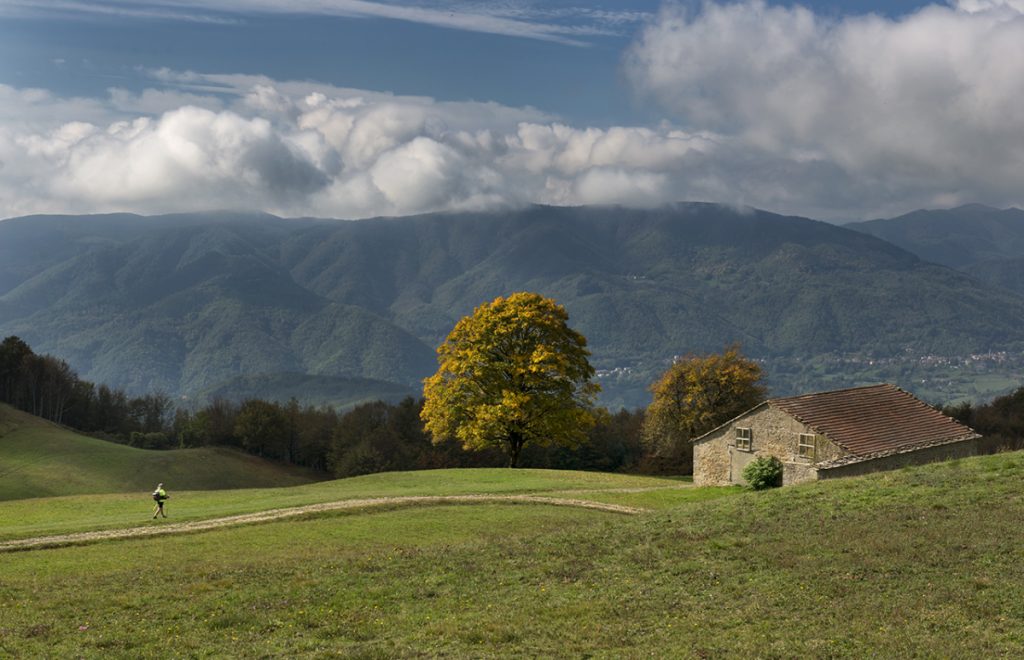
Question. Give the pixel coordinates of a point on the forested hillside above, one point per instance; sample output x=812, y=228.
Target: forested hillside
x=187, y=304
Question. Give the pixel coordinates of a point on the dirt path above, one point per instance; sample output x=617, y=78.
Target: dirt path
x=157, y=529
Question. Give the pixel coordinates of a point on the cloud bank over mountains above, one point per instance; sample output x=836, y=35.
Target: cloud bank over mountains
x=763, y=105
x=920, y=110
x=300, y=148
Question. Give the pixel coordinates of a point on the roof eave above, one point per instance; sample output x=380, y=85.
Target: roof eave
x=863, y=458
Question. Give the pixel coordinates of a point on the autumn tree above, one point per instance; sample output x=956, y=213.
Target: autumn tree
x=514, y=373
x=696, y=394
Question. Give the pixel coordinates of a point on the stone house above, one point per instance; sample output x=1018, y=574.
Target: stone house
x=831, y=434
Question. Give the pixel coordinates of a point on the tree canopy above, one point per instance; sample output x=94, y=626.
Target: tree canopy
x=513, y=373
x=696, y=394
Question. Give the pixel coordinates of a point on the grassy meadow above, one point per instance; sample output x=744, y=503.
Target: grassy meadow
x=922, y=562
x=40, y=459
x=63, y=515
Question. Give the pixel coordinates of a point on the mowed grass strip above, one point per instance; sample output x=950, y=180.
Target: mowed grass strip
x=924, y=562
x=64, y=515
x=40, y=459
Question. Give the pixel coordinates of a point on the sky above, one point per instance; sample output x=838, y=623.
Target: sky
x=839, y=110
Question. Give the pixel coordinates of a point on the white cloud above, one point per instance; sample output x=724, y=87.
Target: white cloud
x=908, y=110
x=616, y=185
x=302, y=148
x=188, y=157
x=987, y=5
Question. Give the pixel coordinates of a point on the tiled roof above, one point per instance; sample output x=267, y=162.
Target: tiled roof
x=874, y=419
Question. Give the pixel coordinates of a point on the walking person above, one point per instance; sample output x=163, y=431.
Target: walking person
x=159, y=496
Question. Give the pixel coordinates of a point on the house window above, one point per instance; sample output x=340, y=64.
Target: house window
x=743, y=439
x=805, y=445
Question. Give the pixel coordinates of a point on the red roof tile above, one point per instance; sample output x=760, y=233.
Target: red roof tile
x=877, y=418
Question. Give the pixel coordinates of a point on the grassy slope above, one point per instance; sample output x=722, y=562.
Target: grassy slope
x=924, y=562
x=38, y=459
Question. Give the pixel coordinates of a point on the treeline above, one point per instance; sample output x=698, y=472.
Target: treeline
x=47, y=387
x=381, y=437
x=372, y=437
x=1001, y=421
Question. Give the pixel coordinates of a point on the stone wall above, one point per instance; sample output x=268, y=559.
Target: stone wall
x=896, y=461
x=711, y=459
x=717, y=461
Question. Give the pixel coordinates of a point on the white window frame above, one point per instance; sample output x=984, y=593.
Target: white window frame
x=806, y=445
x=744, y=439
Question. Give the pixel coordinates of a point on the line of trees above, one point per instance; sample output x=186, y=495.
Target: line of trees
x=47, y=387
x=372, y=437
x=1000, y=421
x=382, y=436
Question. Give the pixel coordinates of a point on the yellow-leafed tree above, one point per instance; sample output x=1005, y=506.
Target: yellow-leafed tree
x=696, y=394
x=511, y=374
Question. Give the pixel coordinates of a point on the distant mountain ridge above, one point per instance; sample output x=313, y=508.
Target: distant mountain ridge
x=186, y=303
x=985, y=242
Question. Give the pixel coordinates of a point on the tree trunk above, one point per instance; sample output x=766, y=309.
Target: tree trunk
x=515, y=446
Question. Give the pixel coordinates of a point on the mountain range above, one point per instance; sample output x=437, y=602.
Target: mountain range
x=252, y=304
x=982, y=241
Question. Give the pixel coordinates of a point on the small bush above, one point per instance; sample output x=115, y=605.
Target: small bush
x=763, y=472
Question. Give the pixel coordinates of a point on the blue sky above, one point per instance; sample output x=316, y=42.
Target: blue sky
x=72, y=50
x=352, y=108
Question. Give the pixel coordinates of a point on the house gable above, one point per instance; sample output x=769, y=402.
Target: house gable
x=720, y=456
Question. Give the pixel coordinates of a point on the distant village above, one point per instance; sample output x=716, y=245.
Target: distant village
x=938, y=379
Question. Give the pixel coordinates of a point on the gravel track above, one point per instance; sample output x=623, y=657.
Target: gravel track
x=160, y=529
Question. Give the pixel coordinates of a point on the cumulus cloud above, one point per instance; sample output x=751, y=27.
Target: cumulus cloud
x=301, y=148
x=909, y=110
x=188, y=157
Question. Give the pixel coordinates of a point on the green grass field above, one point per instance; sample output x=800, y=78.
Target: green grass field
x=39, y=459
x=63, y=515
x=923, y=562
